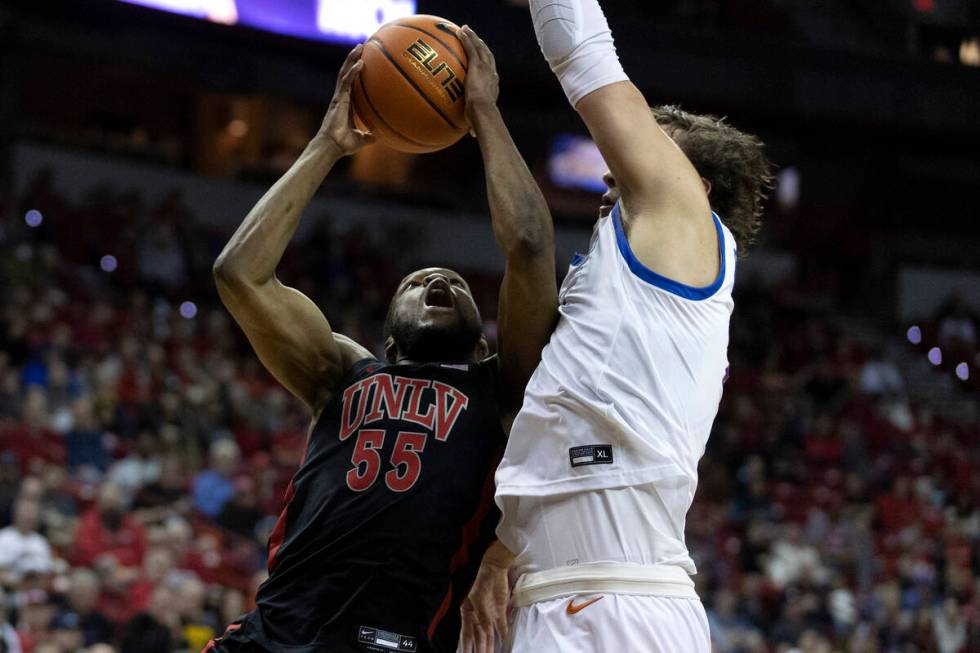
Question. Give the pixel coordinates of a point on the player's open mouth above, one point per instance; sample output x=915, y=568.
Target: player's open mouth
x=439, y=294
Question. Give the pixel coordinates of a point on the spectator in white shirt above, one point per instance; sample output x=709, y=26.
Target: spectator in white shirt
x=141, y=467
x=22, y=548
x=792, y=558
x=880, y=376
x=949, y=627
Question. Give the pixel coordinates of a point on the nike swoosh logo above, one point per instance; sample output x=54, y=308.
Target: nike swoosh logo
x=571, y=608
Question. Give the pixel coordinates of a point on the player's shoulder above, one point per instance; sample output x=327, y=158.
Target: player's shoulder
x=361, y=369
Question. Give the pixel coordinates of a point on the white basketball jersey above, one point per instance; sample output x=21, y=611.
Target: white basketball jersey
x=625, y=396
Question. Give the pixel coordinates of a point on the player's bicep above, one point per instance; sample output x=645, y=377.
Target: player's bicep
x=649, y=167
x=527, y=315
x=290, y=335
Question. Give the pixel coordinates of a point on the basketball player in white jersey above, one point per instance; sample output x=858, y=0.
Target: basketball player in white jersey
x=601, y=465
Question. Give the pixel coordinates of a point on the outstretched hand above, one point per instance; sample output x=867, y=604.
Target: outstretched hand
x=338, y=127
x=482, y=81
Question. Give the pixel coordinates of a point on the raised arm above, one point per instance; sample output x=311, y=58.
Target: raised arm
x=289, y=333
x=664, y=198
x=522, y=226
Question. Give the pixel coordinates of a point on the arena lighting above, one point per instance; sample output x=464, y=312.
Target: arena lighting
x=914, y=334
x=345, y=21
x=238, y=128
x=575, y=162
x=788, y=187
x=188, y=310
x=33, y=218
x=963, y=372
x=935, y=356
x=108, y=263
x=970, y=52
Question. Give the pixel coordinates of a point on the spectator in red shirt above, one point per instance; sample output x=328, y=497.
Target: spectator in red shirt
x=106, y=530
x=899, y=508
x=157, y=565
x=31, y=441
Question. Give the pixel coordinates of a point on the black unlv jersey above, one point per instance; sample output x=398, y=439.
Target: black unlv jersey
x=388, y=516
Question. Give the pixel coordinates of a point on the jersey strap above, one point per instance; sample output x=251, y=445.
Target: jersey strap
x=646, y=274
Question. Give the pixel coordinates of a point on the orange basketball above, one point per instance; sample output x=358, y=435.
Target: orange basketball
x=410, y=89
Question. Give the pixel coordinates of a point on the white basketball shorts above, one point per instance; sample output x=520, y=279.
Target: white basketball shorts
x=610, y=623
x=608, y=609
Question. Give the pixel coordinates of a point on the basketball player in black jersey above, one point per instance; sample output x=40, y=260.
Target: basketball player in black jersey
x=392, y=508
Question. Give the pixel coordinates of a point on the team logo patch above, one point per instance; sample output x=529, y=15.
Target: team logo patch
x=375, y=639
x=591, y=454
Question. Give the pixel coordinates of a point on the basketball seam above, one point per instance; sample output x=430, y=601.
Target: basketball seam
x=378, y=44
x=367, y=98
x=441, y=42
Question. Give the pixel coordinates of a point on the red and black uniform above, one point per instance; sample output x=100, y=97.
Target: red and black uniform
x=387, y=518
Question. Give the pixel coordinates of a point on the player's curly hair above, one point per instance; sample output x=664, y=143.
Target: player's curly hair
x=732, y=161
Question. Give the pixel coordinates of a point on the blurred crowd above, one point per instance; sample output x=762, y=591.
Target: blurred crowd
x=838, y=507
x=144, y=452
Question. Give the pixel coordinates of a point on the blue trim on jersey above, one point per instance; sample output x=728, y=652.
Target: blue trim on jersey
x=577, y=259
x=662, y=282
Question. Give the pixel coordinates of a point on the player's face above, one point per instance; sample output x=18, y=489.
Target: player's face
x=610, y=197
x=433, y=317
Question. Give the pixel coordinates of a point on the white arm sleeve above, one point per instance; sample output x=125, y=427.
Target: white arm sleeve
x=575, y=39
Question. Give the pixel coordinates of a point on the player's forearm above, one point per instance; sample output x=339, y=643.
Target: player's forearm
x=255, y=249
x=521, y=220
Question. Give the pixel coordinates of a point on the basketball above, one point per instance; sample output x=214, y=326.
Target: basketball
x=409, y=93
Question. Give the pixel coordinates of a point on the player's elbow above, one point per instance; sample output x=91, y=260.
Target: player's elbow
x=531, y=240
x=222, y=270
x=227, y=272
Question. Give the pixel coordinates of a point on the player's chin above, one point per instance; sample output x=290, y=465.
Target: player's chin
x=441, y=316
x=605, y=210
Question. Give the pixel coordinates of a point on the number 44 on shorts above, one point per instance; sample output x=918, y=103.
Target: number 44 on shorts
x=406, y=464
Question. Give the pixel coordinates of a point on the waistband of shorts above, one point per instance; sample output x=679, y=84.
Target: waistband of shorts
x=603, y=578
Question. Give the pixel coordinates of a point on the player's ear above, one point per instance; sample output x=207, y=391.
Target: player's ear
x=707, y=186
x=482, y=348
x=391, y=350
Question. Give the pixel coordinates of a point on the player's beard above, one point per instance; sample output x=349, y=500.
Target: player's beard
x=442, y=344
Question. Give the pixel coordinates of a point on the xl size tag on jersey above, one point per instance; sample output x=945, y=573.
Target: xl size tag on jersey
x=591, y=454
x=375, y=639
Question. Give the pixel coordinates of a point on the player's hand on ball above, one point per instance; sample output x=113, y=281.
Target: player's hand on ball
x=482, y=81
x=338, y=128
